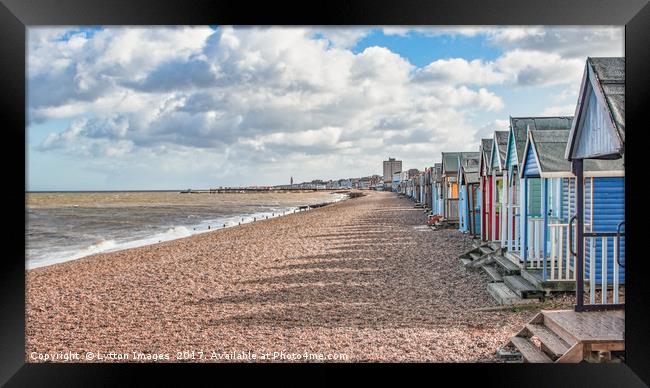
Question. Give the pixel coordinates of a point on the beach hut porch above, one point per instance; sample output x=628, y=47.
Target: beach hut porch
x=545, y=236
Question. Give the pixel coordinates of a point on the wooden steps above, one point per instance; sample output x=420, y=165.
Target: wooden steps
x=507, y=266
x=522, y=287
x=496, y=246
x=551, y=342
x=492, y=272
x=530, y=352
x=476, y=256
x=512, y=257
x=486, y=249
x=534, y=276
x=567, y=336
x=505, y=296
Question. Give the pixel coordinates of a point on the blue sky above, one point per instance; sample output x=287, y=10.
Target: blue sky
x=127, y=108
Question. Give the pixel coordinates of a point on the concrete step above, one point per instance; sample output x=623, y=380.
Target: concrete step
x=492, y=272
x=522, y=287
x=552, y=344
x=506, y=266
x=505, y=296
x=529, y=351
x=465, y=262
x=495, y=245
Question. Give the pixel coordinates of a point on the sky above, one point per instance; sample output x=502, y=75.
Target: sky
x=149, y=108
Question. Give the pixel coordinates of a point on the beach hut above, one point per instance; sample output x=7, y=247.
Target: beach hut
x=436, y=192
x=469, y=195
x=497, y=167
x=462, y=202
x=450, y=185
x=427, y=187
x=598, y=132
x=546, y=241
x=518, y=135
x=485, y=150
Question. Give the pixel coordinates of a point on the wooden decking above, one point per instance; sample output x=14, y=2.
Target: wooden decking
x=567, y=336
x=592, y=326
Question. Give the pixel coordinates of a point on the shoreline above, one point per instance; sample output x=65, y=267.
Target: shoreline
x=192, y=230
x=359, y=278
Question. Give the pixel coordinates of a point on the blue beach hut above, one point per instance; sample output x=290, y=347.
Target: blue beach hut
x=598, y=132
x=436, y=193
x=547, y=241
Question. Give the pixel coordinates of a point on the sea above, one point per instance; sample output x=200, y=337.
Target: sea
x=63, y=226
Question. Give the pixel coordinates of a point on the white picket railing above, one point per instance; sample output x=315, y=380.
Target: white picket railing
x=535, y=243
x=560, y=261
x=513, y=235
x=607, y=244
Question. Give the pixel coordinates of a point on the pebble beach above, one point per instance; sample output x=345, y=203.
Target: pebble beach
x=364, y=278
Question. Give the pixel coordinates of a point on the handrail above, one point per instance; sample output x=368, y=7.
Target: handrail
x=569, y=239
x=618, y=243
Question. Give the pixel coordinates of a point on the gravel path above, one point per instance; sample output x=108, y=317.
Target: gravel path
x=362, y=277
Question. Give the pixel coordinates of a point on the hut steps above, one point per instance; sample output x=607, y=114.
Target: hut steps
x=477, y=256
x=551, y=344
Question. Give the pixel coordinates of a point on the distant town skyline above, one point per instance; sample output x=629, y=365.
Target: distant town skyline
x=129, y=108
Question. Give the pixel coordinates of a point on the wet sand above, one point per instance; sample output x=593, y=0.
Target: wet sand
x=362, y=277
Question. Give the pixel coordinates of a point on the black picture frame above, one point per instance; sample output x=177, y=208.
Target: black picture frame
x=16, y=15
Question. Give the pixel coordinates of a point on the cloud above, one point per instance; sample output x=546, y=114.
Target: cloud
x=567, y=42
x=538, y=68
x=564, y=110
x=461, y=71
x=342, y=37
x=398, y=31
x=487, y=130
x=269, y=100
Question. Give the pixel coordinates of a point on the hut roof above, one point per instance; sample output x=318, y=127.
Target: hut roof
x=520, y=125
x=501, y=138
x=550, y=146
x=450, y=162
x=472, y=177
x=437, y=172
x=610, y=74
x=485, y=150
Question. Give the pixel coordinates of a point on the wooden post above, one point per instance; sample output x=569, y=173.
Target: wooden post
x=545, y=225
x=482, y=220
x=524, y=219
x=578, y=172
x=503, y=220
x=509, y=215
x=493, y=208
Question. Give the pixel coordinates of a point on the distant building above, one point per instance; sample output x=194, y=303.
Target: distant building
x=391, y=166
